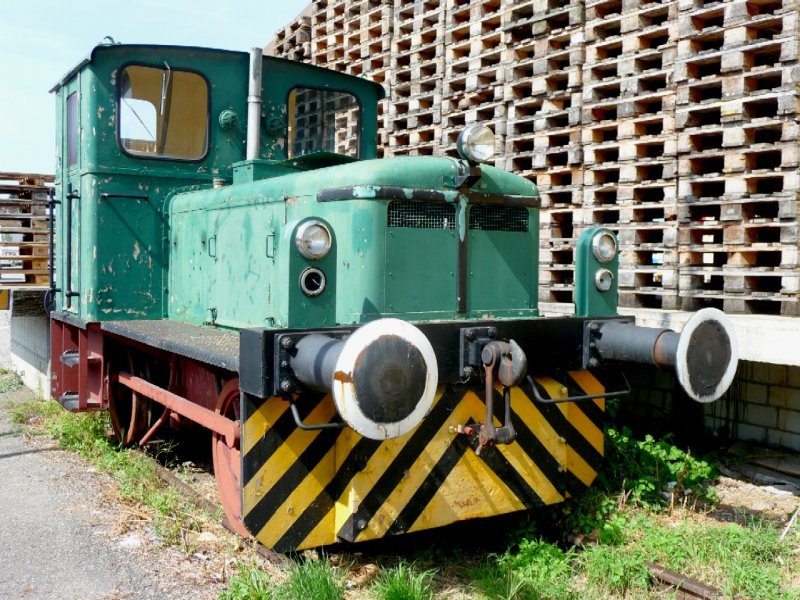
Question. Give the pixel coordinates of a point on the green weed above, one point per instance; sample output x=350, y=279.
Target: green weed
x=654, y=472
x=537, y=570
x=30, y=413
x=250, y=583
x=404, y=582
x=616, y=569
x=317, y=579
x=9, y=382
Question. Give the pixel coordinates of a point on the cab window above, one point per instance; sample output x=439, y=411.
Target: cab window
x=323, y=121
x=163, y=113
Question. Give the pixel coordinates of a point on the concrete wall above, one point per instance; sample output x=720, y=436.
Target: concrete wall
x=762, y=405
x=29, y=344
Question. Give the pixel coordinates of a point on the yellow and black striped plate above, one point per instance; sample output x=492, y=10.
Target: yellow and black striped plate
x=304, y=489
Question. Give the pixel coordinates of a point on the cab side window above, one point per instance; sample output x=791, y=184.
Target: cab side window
x=323, y=121
x=163, y=113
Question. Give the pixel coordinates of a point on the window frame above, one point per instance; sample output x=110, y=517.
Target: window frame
x=352, y=93
x=72, y=129
x=117, y=128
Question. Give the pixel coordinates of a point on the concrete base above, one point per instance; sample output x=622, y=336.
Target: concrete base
x=29, y=352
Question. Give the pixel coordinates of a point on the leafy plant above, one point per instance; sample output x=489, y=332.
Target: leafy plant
x=403, y=582
x=653, y=472
x=250, y=583
x=538, y=570
x=615, y=569
x=9, y=382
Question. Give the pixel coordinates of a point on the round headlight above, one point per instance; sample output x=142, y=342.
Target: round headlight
x=604, y=247
x=476, y=143
x=603, y=280
x=313, y=240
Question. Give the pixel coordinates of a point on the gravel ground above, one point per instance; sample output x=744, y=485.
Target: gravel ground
x=60, y=534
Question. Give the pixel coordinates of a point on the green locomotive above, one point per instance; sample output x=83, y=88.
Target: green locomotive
x=361, y=336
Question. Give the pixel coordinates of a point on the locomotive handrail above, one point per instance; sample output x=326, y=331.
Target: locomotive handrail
x=315, y=427
x=539, y=398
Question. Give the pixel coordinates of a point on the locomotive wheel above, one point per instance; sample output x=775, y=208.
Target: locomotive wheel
x=227, y=460
x=131, y=413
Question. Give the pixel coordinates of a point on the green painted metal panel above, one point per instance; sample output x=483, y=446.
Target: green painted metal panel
x=589, y=301
x=421, y=267
x=502, y=267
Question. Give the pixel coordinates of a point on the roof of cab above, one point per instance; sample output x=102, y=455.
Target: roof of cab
x=128, y=47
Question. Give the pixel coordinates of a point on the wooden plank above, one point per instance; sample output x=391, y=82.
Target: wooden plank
x=23, y=257
x=18, y=190
x=686, y=586
x=22, y=202
x=22, y=284
x=23, y=244
x=13, y=271
x=22, y=216
x=34, y=230
x=10, y=175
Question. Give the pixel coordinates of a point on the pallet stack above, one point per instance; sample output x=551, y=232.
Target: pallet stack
x=545, y=51
x=474, y=73
x=737, y=76
x=24, y=230
x=629, y=142
x=294, y=40
x=673, y=122
x=414, y=114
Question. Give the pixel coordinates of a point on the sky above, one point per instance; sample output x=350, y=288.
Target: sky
x=41, y=40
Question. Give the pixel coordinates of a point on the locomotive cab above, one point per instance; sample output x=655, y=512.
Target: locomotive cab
x=361, y=336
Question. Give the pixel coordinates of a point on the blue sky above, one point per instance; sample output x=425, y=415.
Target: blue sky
x=40, y=40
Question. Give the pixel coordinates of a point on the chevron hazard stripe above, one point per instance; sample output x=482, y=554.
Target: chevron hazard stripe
x=303, y=489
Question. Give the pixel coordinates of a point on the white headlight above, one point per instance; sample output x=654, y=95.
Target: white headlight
x=313, y=240
x=603, y=280
x=604, y=247
x=476, y=143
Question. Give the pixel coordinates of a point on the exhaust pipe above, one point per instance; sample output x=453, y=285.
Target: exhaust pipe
x=704, y=355
x=383, y=378
x=254, y=104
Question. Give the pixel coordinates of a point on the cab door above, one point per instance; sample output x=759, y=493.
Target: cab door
x=69, y=214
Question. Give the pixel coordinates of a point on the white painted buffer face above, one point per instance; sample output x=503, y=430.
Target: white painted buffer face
x=707, y=355
x=385, y=379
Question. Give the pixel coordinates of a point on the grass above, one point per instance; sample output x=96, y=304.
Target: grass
x=9, y=382
x=307, y=580
x=250, y=583
x=404, y=582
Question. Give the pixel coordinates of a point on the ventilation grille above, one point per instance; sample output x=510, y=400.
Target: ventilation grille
x=498, y=218
x=422, y=215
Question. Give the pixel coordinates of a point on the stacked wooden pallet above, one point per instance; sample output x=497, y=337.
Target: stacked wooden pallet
x=545, y=51
x=673, y=122
x=417, y=72
x=294, y=40
x=474, y=73
x=629, y=141
x=24, y=230
x=737, y=75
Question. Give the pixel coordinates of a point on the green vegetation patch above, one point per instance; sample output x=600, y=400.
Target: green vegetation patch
x=404, y=582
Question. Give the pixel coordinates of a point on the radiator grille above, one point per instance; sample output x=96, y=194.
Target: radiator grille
x=422, y=215
x=498, y=218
